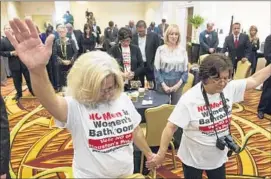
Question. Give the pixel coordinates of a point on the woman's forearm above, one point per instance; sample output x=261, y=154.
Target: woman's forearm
x=140, y=142
x=259, y=77
x=45, y=93
x=166, y=138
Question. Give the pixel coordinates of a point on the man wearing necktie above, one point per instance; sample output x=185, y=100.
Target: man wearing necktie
x=237, y=45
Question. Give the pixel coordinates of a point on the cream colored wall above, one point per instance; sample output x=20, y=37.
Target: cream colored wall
x=9, y=10
x=37, y=8
x=153, y=12
x=119, y=12
x=252, y=13
x=4, y=15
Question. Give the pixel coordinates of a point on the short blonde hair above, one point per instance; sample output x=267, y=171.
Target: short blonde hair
x=88, y=74
x=169, y=31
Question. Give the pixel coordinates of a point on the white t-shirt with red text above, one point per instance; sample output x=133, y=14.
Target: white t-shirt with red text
x=198, y=145
x=102, y=137
x=126, y=55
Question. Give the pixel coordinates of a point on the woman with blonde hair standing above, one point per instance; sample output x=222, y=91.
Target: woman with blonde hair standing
x=171, y=65
x=255, y=43
x=102, y=120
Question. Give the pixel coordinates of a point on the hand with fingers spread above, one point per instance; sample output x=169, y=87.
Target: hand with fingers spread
x=32, y=52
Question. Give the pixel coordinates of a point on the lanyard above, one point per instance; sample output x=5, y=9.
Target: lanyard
x=212, y=118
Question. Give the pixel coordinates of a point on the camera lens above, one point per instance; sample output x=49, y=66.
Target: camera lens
x=229, y=153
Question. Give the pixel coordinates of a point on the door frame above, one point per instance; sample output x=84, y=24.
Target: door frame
x=185, y=5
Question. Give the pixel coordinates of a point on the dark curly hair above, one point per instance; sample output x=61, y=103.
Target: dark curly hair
x=213, y=65
x=124, y=33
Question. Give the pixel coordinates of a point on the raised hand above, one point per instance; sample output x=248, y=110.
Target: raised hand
x=31, y=51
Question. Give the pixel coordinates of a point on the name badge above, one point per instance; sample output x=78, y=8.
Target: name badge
x=207, y=35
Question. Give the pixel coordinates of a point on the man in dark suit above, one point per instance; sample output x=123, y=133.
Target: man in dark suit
x=4, y=142
x=132, y=27
x=110, y=36
x=97, y=30
x=208, y=40
x=265, y=102
x=148, y=44
x=162, y=27
x=237, y=45
x=16, y=66
x=76, y=36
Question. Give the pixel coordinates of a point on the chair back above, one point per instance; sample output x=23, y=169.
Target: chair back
x=260, y=64
x=156, y=120
x=189, y=66
x=189, y=83
x=202, y=57
x=243, y=70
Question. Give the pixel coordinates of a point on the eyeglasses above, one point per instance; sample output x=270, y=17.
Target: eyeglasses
x=219, y=80
x=108, y=90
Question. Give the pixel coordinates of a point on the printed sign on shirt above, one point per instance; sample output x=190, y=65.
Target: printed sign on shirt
x=221, y=121
x=112, y=131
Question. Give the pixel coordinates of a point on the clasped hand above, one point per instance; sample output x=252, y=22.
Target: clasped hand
x=154, y=161
x=244, y=60
x=129, y=75
x=173, y=88
x=66, y=62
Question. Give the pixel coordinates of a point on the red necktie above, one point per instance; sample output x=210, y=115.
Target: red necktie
x=236, y=42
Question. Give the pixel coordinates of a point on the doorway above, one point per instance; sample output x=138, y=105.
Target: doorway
x=190, y=12
x=183, y=14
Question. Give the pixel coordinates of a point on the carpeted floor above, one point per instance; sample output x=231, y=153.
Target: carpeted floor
x=39, y=150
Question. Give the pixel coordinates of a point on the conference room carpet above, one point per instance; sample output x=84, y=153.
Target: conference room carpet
x=40, y=150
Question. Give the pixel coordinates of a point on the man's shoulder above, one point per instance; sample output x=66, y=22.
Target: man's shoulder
x=152, y=34
x=268, y=38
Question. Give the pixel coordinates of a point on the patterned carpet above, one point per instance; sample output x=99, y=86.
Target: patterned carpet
x=39, y=150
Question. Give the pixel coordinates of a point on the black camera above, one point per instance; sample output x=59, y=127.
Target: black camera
x=227, y=141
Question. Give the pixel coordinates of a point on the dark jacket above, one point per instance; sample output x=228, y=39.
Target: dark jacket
x=5, y=139
x=152, y=43
x=70, y=49
x=267, y=49
x=137, y=65
x=243, y=49
x=89, y=43
x=78, y=35
x=14, y=62
x=207, y=41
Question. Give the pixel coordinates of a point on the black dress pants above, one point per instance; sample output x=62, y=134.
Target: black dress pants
x=17, y=80
x=265, y=101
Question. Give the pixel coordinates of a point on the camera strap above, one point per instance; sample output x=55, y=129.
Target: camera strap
x=212, y=118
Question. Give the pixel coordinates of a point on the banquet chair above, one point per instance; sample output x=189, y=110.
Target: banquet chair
x=136, y=175
x=202, y=57
x=260, y=64
x=242, y=71
x=189, y=83
x=156, y=121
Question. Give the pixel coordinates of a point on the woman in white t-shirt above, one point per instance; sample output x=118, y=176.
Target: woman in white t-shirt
x=202, y=126
x=102, y=120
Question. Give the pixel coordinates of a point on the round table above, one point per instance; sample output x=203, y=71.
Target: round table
x=158, y=98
